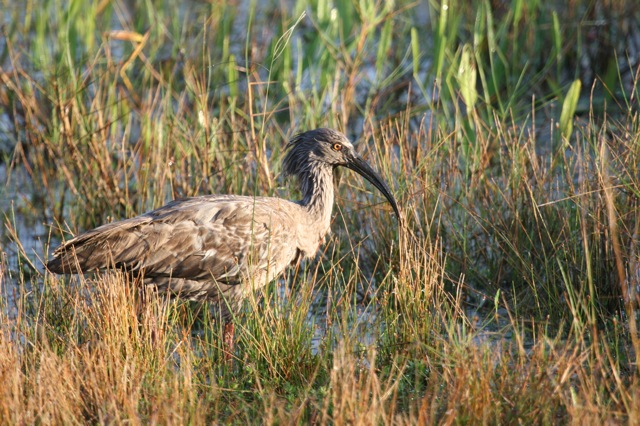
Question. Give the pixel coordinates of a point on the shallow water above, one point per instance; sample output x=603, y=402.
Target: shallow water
x=19, y=219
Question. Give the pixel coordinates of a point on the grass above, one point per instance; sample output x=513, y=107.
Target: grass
x=508, y=132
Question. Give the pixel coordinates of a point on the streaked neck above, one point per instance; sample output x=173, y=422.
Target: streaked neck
x=316, y=185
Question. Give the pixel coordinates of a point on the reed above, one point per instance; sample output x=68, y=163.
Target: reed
x=508, y=132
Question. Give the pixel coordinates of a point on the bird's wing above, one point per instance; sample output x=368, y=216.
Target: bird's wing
x=219, y=237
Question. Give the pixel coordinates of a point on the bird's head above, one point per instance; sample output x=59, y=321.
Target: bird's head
x=322, y=148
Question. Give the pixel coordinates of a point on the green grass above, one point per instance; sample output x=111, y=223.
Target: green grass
x=507, y=131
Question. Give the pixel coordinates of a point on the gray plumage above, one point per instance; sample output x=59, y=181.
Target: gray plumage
x=208, y=247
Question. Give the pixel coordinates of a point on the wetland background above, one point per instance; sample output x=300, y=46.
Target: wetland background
x=508, y=131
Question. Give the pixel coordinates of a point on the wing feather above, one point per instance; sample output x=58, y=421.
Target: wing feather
x=224, y=238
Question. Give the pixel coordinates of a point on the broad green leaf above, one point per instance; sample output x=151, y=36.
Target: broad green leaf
x=569, y=108
x=467, y=77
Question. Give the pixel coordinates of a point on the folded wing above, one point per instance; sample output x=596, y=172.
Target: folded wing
x=221, y=238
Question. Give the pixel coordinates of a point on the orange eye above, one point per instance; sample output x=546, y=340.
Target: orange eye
x=337, y=147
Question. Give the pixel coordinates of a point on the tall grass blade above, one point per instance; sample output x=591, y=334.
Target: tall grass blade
x=467, y=77
x=569, y=106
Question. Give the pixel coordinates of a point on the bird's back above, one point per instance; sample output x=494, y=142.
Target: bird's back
x=210, y=240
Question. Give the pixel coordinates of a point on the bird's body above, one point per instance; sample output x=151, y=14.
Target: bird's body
x=198, y=248
x=222, y=247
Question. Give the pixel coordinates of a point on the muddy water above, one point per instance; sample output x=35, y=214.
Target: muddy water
x=23, y=235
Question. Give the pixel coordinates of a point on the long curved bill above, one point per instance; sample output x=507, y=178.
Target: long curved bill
x=358, y=165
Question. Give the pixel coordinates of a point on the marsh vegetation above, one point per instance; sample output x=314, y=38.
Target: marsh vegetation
x=508, y=131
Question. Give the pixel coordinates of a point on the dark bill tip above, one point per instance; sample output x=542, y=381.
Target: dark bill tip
x=358, y=165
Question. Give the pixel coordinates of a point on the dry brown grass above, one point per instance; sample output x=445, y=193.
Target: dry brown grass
x=509, y=296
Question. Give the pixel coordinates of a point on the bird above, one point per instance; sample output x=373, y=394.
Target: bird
x=220, y=248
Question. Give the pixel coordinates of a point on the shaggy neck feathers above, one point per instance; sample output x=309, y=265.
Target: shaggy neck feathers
x=315, y=178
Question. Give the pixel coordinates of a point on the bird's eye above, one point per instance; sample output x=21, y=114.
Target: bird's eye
x=337, y=147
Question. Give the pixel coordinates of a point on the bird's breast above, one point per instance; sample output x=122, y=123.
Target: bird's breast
x=309, y=243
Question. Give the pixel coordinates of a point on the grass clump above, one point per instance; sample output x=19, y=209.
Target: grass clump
x=507, y=131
